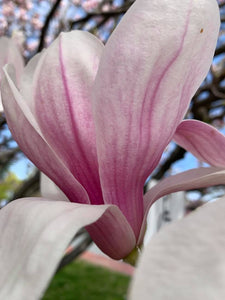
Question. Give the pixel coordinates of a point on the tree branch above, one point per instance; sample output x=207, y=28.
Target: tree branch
x=46, y=25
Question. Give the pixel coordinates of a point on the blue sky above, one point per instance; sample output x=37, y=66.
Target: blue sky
x=23, y=167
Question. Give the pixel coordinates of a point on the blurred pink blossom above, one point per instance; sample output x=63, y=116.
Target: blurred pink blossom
x=36, y=22
x=3, y=26
x=90, y=4
x=31, y=45
x=22, y=15
x=8, y=9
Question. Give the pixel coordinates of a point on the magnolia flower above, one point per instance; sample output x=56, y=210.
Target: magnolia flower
x=9, y=53
x=96, y=121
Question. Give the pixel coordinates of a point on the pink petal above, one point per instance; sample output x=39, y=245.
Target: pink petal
x=10, y=54
x=141, y=91
x=27, y=133
x=192, y=179
x=1, y=106
x=34, y=235
x=185, y=260
x=63, y=108
x=203, y=141
x=113, y=234
x=27, y=79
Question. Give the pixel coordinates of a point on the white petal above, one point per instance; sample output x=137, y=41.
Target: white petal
x=185, y=261
x=34, y=235
x=50, y=190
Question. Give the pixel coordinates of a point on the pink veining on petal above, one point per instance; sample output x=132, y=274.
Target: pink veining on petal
x=88, y=178
x=69, y=129
x=35, y=147
x=142, y=94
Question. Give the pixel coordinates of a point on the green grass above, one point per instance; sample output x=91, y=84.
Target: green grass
x=84, y=281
